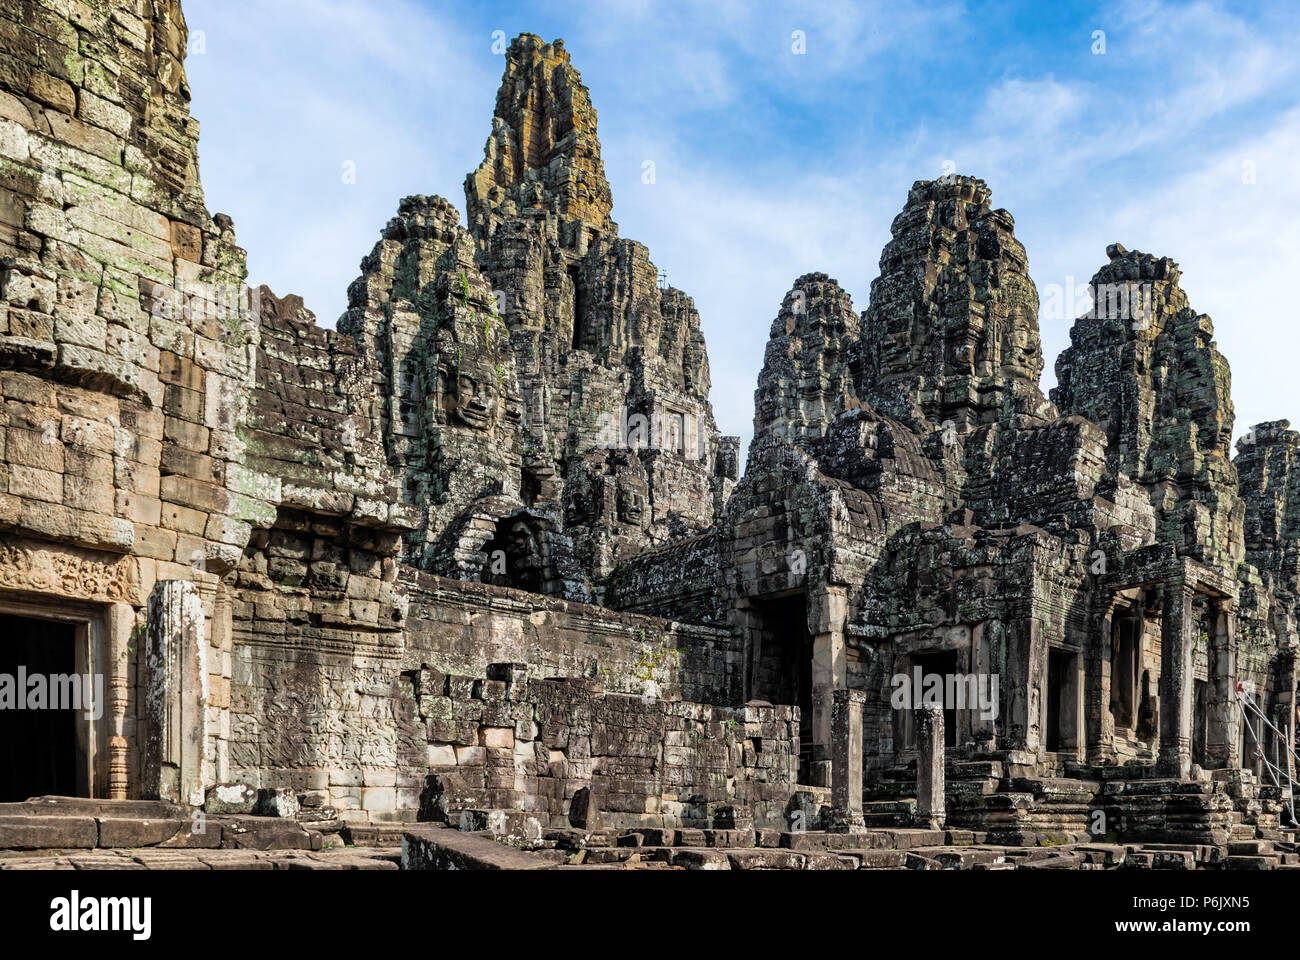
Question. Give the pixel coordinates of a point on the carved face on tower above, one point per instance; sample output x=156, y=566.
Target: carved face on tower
x=475, y=396
x=582, y=497
x=1022, y=349
x=631, y=500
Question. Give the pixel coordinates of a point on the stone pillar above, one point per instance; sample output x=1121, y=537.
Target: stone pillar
x=1023, y=685
x=827, y=612
x=931, y=811
x=121, y=625
x=1286, y=692
x=1223, y=720
x=742, y=618
x=983, y=664
x=1100, y=721
x=1176, y=679
x=176, y=694
x=846, y=761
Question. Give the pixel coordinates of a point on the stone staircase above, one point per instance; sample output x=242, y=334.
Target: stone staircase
x=1129, y=804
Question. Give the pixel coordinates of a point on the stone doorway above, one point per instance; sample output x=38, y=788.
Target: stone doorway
x=1201, y=723
x=1125, y=659
x=44, y=724
x=1063, y=708
x=942, y=664
x=783, y=666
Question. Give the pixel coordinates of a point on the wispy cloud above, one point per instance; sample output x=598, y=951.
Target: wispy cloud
x=770, y=163
x=295, y=96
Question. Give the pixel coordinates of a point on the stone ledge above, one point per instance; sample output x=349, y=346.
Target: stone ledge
x=434, y=848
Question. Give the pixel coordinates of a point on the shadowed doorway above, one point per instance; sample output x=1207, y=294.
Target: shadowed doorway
x=783, y=667
x=39, y=754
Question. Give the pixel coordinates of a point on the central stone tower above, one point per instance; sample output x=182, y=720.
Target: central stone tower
x=614, y=449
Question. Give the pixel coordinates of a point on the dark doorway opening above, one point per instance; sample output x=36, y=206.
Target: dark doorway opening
x=530, y=488
x=1123, y=672
x=1055, y=680
x=1200, y=722
x=783, y=670
x=1148, y=720
x=579, y=320
x=38, y=747
x=943, y=665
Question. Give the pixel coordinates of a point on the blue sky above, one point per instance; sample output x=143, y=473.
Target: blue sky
x=1180, y=139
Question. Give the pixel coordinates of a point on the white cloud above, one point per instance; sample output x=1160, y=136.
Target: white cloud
x=1143, y=146
x=287, y=93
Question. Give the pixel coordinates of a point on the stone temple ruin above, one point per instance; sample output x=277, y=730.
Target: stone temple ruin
x=481, y=558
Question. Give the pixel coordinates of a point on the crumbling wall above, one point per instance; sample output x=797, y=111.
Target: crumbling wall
x=679, y=581
x=568, y=752
x=1268, y=464
x=361, y=712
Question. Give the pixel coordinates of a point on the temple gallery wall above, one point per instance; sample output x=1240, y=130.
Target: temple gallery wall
x=483, y=547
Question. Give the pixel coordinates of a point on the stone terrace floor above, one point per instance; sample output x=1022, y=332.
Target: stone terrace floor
x=70, y=834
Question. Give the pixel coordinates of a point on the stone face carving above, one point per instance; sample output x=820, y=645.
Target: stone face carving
x=631, y=505
x=1143, y=366
x=475, y=396
x=445, y=368
x=953, y=320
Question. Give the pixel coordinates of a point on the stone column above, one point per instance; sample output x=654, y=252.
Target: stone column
x=1023, y=685
x=121, y=625
x=742, y=618
x=827, y=612
x=1176, y=679
x=1100, y=721
x=931, y=811
x=176, y=694
x=846, y=761
x=983, y=665
x=1223, y=720
x=1286, y=692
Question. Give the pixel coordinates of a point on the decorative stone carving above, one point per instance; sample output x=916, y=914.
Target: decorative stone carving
x=67, y=572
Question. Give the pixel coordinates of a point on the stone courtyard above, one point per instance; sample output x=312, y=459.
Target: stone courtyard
x=474, y=580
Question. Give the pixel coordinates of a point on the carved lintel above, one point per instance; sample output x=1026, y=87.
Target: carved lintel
x=70, y=572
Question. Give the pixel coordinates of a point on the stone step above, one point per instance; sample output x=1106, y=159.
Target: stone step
x=428, y=847
x=48, y=833
x=85, y=832
x=1251, y=863
x=84, y=807
x=1161, y=788
x=372, y=834
x=975, y=769
x=1250, y=848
